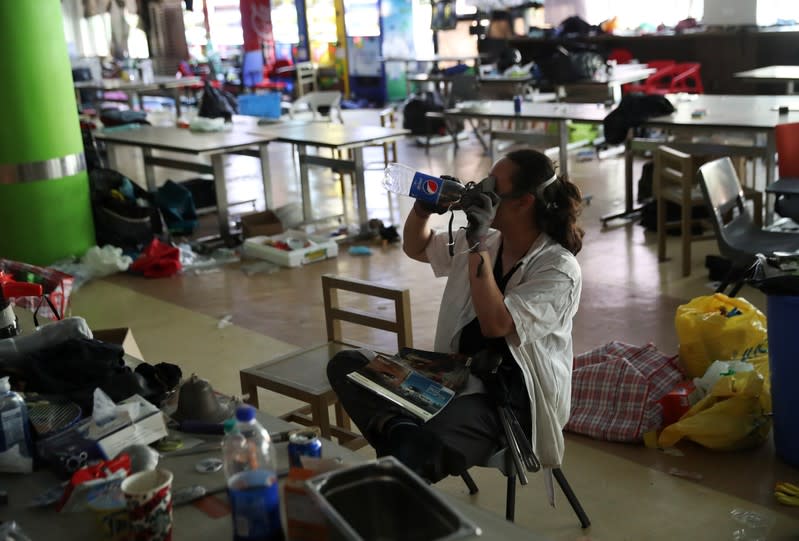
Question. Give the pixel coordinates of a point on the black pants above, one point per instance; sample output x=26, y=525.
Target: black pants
x=467, y=430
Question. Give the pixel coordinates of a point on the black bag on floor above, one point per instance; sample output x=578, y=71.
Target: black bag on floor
x=125, y=215
x=415, y=109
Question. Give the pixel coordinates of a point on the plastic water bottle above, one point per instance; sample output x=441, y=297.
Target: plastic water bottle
x=15, y=435
x=249, y=463
x=406, y=180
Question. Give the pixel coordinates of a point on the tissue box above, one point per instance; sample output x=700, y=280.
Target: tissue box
x=260, y=223
x=122, y=431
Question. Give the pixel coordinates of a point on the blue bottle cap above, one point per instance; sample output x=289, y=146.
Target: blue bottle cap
x=245, y=413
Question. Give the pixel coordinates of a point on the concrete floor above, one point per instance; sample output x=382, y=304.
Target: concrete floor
x=628, y=295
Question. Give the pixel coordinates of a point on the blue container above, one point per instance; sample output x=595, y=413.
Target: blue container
x=783, y=350
x=260, y=105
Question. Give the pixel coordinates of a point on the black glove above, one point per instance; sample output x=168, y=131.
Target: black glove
x=480, y=213
x=431, y=208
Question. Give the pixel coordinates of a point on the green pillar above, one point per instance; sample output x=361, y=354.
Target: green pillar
x=45, y=212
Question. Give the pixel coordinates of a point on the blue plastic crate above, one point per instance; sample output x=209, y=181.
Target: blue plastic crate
x=261, y=105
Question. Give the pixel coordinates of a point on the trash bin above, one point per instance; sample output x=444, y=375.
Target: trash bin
x=783, y=347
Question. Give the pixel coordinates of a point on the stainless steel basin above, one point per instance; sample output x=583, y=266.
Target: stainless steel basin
x=382, y=500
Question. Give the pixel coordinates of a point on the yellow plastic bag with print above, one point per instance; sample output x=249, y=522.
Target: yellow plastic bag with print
x=730, y=417
x=717, y=327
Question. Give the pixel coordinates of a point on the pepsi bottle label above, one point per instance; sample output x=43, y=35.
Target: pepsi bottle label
x=426, y=188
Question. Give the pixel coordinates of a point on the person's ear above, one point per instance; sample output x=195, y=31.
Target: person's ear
x=527, y=201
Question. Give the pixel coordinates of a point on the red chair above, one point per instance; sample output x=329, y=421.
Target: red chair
x=659, y=65
x=679, y=77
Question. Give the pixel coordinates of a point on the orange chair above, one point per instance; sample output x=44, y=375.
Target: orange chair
x=787, y=187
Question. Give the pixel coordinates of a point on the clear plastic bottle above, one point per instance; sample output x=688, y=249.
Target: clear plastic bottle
x=406, y=180
x=249, y=464
x=15, y=435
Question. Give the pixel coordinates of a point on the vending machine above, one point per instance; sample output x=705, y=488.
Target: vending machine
x=364, y=39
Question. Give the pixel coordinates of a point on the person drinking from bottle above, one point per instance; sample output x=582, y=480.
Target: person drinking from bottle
x=513, y=287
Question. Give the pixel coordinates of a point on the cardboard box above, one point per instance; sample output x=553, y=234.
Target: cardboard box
x=318, y=249
x=122, y=336
x=261, y=224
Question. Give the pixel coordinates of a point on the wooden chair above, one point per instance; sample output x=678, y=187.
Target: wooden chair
x=302, y=375
x=675, y=181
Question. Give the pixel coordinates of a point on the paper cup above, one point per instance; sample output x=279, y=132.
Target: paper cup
x=148, y=496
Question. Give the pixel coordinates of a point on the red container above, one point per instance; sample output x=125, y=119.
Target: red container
x=678, y=401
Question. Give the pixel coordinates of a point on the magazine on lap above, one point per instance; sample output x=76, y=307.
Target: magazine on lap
x=421, y=382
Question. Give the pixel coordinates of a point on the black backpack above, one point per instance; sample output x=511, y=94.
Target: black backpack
x=415, y=109
x=125, y=215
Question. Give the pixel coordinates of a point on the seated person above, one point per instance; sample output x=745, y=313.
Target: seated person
x=525, y=230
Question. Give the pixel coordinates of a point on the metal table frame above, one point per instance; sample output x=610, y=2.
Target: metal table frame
x=215, y=145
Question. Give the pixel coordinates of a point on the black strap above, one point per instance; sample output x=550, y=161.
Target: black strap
x=52, y=308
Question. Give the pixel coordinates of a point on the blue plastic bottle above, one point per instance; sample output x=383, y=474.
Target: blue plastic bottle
x=249, y=461
x=15, y=435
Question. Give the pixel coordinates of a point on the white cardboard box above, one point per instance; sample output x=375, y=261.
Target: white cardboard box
x=320, y=248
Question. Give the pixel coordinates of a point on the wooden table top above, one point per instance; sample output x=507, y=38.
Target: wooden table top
x=184, y=140
x=729, y=111
x=119, y=84
x=503, y=109
x=329, y=134
x=771, y=73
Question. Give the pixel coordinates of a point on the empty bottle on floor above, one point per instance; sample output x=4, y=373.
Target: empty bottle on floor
x=251, y=473
x=405, y=180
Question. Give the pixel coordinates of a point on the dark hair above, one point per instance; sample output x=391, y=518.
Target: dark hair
x=558, y=205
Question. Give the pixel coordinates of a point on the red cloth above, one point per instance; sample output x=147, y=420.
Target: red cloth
x=616, y=388
x=158, y=260
x=256, y=23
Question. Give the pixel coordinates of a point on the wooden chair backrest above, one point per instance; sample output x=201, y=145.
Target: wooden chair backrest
x=335, y=314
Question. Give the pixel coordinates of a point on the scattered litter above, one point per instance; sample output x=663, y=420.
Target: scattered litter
x=226, y=321
x=194, y=262
x=752, y=526
x=198, y=272
x=585, y=155
x=676, y=472
x=259, y=267
x=673, y=451
x=360, y=250
x=105, y=261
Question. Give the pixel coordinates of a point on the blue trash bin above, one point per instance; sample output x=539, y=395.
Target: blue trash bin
x=783, y=348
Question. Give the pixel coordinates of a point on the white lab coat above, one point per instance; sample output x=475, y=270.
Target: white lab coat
x=542, y=296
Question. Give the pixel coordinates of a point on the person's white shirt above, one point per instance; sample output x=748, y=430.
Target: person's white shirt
x=542, y=296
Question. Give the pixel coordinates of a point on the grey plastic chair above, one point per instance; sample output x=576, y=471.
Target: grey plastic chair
x=739, y=238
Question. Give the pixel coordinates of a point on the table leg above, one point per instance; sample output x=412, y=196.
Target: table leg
x=266, y=177
x=305, y=188
x=771, y=152
x=563, y=142
x=176, y=97
x=789, y=87
x=321, y=418
x=220, y=185
x=360, y=185
x=149, y=170
x=629, y=210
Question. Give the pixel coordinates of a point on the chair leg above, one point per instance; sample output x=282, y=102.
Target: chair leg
x=573, y=501
x=470, y=484
x=510, y=499
x=686, y=235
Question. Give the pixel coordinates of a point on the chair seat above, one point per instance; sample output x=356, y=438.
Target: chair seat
x=784, y=186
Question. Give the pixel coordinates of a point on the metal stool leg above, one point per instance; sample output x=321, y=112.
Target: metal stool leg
x=575, y=503
x=510, y=498
x=470, y=484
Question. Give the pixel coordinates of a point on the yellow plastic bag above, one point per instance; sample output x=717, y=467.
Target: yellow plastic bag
x=730, y=417
x=717, y=327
